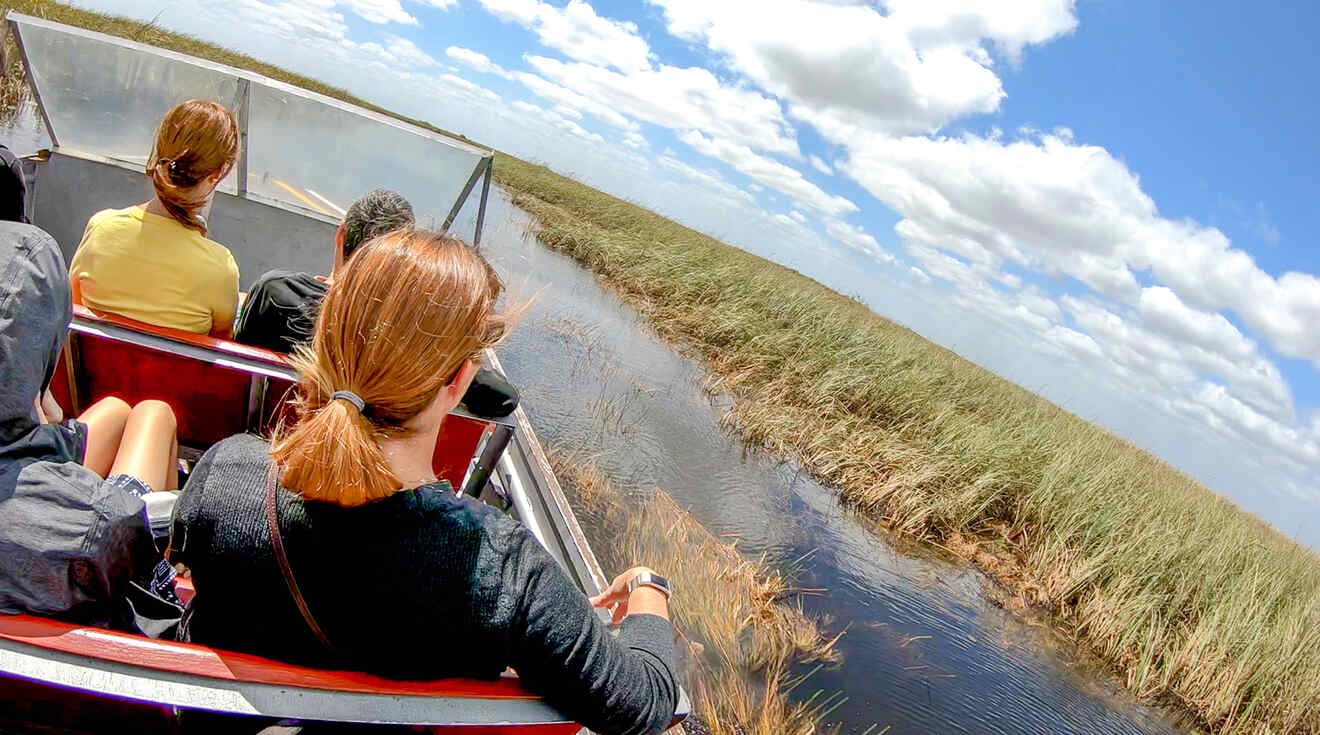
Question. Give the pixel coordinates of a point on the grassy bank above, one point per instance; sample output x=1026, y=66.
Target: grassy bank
x=1192, y=600
x=740, y=633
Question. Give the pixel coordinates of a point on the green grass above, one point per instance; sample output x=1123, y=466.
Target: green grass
x=1193, y=601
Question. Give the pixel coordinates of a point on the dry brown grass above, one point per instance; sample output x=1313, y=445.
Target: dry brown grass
x=733, y=613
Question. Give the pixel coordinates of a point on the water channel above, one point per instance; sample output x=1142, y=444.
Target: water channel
x=924, y=651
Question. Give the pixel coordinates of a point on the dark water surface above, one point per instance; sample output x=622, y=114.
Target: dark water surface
x=924, y=651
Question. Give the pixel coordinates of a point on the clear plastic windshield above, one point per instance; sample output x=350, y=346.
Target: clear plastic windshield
x=104, y=96
x=323, y=157
x=105, y=99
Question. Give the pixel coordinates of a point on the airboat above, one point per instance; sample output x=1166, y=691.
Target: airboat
x=303, y=157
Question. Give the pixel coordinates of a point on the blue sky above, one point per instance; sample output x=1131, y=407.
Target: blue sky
x=1107, y=202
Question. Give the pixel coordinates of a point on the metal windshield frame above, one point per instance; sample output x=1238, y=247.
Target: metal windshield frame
x=482, y=170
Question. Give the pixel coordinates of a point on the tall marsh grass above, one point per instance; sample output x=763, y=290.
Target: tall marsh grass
x=1194, y=601
x=1191, y=599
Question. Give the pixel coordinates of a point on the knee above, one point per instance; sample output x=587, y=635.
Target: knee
x=113, y=404
x=159, y=412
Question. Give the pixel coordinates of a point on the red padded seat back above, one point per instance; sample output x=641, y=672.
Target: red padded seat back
x=454, y=448
x=209, y=401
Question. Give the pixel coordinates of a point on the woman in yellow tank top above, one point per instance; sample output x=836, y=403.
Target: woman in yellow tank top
x=153, y=262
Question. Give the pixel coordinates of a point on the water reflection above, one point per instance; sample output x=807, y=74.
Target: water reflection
x=21, y=128
x=924, y=651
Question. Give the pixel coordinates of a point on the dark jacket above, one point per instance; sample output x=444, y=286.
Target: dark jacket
x=13, y=187
x=419, y=585
x=69, y=543
x=280, y=310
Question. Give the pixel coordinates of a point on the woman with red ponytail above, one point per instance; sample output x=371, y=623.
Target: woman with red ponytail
x=336, y=545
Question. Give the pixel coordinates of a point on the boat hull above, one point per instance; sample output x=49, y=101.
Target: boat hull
x=72, y=678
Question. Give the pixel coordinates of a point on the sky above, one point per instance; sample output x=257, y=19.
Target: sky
x=1105, y=201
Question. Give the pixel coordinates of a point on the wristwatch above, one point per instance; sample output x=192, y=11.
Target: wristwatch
x=652, y=580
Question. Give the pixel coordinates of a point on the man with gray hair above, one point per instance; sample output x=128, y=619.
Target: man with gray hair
x=280, y=310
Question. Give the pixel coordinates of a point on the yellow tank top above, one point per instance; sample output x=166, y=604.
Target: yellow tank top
x=153, y=269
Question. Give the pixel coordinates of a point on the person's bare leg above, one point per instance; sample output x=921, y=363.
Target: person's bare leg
x=148, y=443
x=172, y=474
x=105, y=421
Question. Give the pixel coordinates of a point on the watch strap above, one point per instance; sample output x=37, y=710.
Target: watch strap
x=652, y=580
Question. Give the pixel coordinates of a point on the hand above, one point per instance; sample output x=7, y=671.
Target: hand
x=616, y=596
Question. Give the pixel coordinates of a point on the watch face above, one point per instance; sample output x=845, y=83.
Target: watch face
x=657, y=581
x=650, y=580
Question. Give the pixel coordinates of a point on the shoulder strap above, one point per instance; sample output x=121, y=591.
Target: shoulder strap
x=277, y=541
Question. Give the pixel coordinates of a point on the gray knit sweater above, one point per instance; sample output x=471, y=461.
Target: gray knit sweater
x=420, y=585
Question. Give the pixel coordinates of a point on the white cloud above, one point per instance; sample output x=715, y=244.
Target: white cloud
x=1180, y=347
x=1080, y=345
x=1038, y=302
x=1027, y=311
x=964, y=23
x=576, y=31
x=442, y=4
x=709, y=178
x=474, y=90
x=771, y=173
x=1215, y=405
x=565, y=98
x=1051, y=205
x=380, y=11
x=857, y=239
x=1164, y=348
x=940, y=264
x=912, y=69
x=820, y=165
x=634, y=139
x=1201, y=265
x=919, y=274
x=1043, y=204
x=405, y=54
x=294, y=20
x=317, y=24
x=554, y=119
x=1162, y=310
x=474, y=60
x=679, y=99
